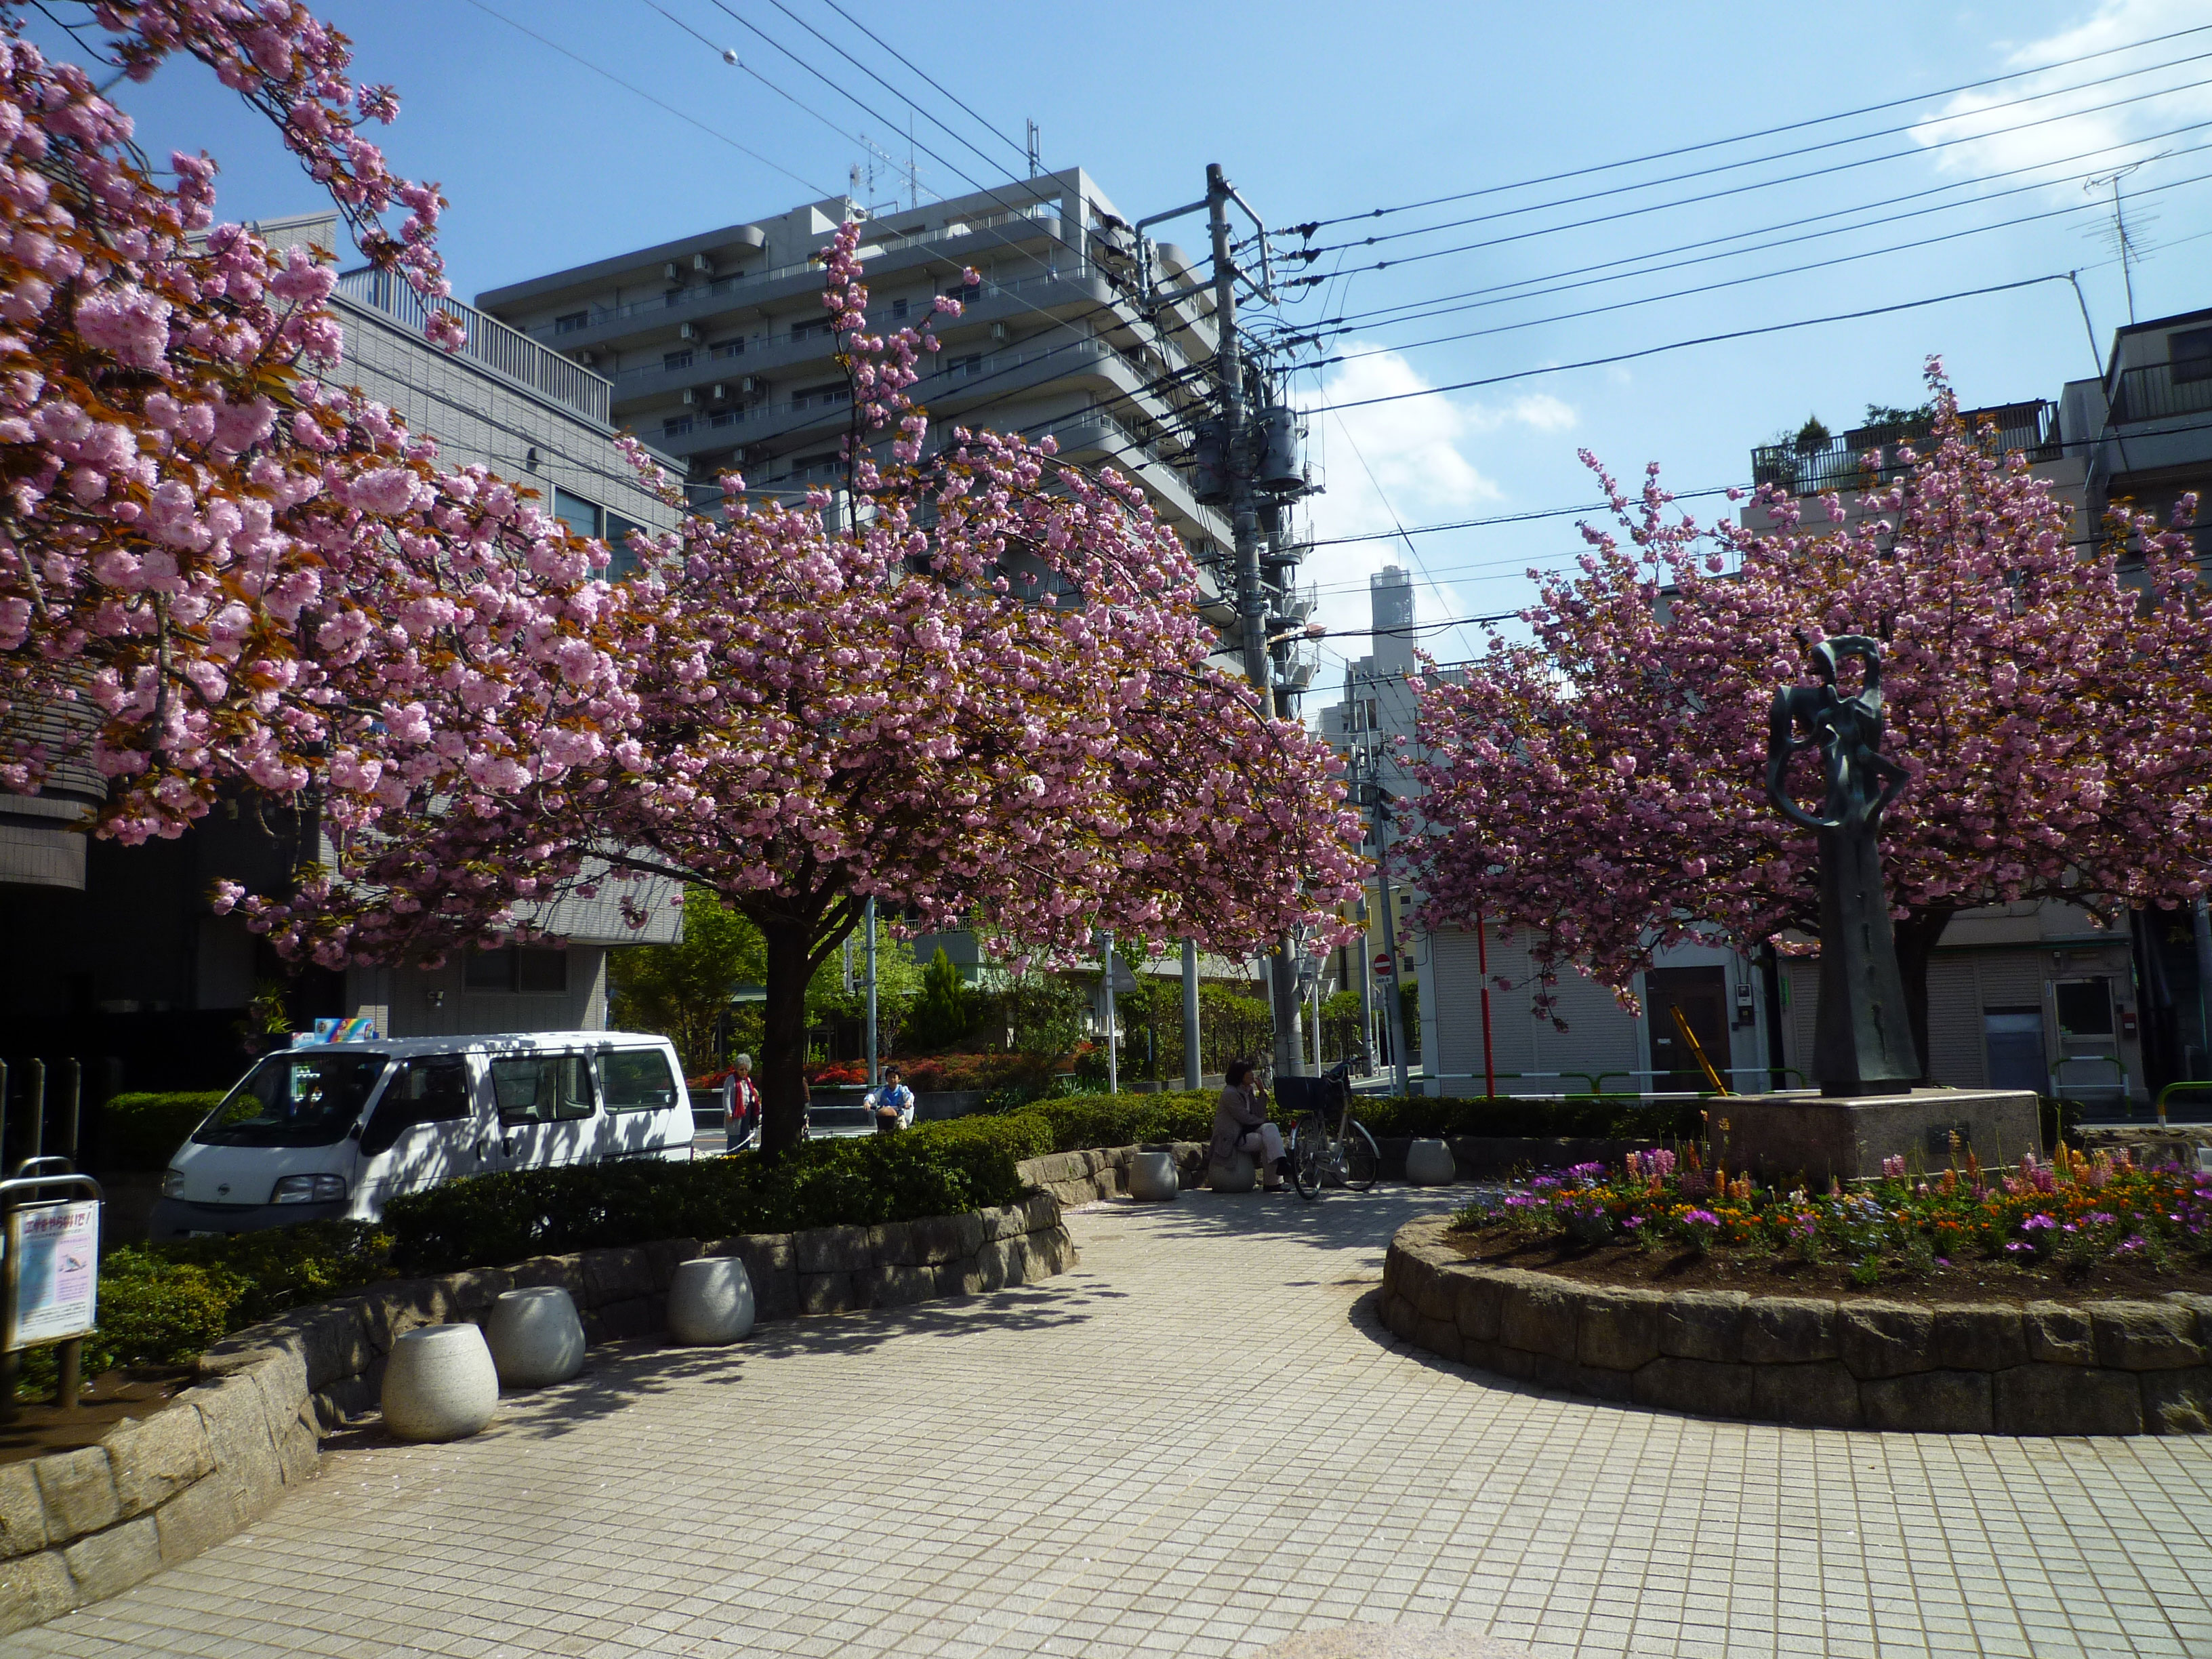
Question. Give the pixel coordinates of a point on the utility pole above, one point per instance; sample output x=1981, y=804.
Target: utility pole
x=1395, y=1015
x=1113, y=1064
x=1251, y=586
x=873, y=1079
x=1194, y=1070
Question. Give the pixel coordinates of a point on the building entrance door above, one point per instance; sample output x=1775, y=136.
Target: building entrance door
x=1702, y=995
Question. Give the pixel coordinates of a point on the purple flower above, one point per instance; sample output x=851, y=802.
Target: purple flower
x=1701, y=1218
x=2037, y=1223
x=2018, y=1248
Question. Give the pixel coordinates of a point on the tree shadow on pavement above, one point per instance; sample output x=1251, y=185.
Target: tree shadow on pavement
x=617, y=1376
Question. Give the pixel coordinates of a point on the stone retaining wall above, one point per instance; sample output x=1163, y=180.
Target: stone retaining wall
x=1086, y=1177
x=2112, y=1367
x=77, y=1526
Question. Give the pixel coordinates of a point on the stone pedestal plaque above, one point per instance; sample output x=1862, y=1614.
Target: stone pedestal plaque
x=1823, y=1135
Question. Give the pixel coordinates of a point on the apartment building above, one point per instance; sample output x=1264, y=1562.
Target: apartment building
x=118, y=958
x=719, y=353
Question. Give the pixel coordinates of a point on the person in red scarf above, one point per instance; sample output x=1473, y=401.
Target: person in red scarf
x=744, y=1097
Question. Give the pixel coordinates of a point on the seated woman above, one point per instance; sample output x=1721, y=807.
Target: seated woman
x=1240, y=1123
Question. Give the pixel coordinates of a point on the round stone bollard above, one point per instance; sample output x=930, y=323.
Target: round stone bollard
x=1153, y=1177
x=1238, y=1175
x=439, y=1384
x=535, y=1337
x=1429, y=1164
x=710, y=1301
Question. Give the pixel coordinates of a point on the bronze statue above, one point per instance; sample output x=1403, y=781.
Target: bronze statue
x=1863, y=1043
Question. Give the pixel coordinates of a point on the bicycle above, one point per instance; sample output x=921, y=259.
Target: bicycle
x=1319, y=1154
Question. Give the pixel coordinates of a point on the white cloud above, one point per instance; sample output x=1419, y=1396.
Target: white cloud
x=2129, y=132
x=1411, y=461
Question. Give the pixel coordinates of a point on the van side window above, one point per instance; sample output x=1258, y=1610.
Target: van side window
x=543, y=1089
x=637, y=1079
x=430, y=1091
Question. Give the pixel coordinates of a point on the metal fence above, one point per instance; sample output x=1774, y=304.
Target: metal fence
x=491, y=343
x=2158, y=390
x=1842, y=463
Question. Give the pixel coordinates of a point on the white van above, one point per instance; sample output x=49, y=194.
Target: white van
x=339, y=1129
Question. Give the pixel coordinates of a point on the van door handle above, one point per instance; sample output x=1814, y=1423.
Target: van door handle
x=506, y=1145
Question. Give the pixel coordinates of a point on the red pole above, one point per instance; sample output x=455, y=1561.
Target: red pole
x=1482, y=963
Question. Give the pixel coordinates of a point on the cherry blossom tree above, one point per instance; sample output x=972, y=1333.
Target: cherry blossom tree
x=215, y=568
x=985, y=702
x=1601, y=785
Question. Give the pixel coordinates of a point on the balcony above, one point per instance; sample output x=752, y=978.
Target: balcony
x=1841, y=463
x=492, y=345
x=2158, y=391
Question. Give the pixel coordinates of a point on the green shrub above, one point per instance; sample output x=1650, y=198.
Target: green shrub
x=938, y=1170
x=141, y=1131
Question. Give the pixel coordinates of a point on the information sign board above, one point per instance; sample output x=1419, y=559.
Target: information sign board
x=52, y=1272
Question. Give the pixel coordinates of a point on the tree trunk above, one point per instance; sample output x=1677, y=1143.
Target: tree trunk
x=782, y=1070
x=1917, y=935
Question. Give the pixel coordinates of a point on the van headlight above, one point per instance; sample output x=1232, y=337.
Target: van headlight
x=309, y=1189
x=173, y=1183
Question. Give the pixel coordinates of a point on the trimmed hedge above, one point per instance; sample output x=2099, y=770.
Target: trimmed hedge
x=867, y=1180
x=143, y=1131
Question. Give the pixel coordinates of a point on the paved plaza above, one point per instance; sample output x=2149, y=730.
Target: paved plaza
x=1200, y=1442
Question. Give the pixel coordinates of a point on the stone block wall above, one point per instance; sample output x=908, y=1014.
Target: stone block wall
x=77, y=1526
x=2047, y=1368
x=1102, y=1172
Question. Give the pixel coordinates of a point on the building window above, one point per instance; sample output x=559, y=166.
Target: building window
x=673, y=360
x=579, y=514
x=621, y=561
x=571, y=322
x=898, y=311
x=728, y=348
x=725, y=417
x=527, y=972
x=960, y=368
x=800, y=332
x=675, y=426
x=966, y=293
x=2191, y=354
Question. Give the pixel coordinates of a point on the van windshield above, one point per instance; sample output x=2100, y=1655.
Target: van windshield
x=293, y=1099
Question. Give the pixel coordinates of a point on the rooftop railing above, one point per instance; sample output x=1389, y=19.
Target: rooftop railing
x=2158, y=390
x=1841, y=463
x=491, y=343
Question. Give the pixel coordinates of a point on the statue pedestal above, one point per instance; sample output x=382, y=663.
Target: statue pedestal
x=1846, y=1136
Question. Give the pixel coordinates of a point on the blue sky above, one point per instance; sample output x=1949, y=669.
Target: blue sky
x=1320, y=109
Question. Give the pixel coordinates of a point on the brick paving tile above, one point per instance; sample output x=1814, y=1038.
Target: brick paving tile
x=1197, y=1445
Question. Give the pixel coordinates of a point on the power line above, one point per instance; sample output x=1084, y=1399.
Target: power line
x=1556, y=281
x=1756, y=277
x=1706, y=339
x=1764, y=132
x=641, y=92
x=1017, y=148
x=891, y=89
x=1735, y=190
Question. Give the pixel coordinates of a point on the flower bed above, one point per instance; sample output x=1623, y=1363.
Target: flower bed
x=2040, y=1225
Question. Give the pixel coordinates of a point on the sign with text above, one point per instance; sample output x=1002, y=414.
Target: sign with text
x=53, y=1272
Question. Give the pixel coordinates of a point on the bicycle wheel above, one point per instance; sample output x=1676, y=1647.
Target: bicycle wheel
x=1310, y=1154
x=1362, y=1163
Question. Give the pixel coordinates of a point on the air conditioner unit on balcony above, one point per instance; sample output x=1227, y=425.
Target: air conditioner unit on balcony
x=690, y=396
x=721, y=393
x=752, y=384
x=687, y=331
x=702, y=265
x=999, y=331
x=669, y=270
